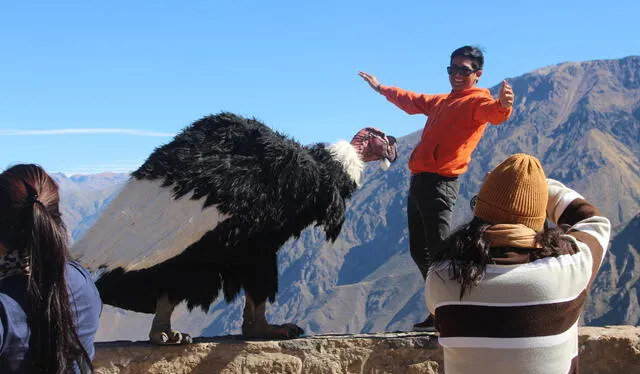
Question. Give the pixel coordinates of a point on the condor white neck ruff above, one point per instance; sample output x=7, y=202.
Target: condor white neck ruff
x=348, y=157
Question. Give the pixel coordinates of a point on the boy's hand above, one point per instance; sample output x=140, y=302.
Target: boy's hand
x=506, y=95
x=373, y=82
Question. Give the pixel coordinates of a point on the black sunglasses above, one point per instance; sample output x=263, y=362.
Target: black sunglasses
x=462, y=70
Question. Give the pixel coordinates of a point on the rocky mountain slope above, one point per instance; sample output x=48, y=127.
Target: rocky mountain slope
x=615, y=292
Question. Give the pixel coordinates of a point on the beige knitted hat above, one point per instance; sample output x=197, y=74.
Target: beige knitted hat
x=514, y=192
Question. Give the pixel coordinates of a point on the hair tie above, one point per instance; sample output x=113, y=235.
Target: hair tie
x=33, y=198
x=32, y=194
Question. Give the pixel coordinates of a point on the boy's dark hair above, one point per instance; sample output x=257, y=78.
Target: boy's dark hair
x=471, y=52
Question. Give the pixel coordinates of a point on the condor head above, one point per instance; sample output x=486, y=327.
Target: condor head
x=373, y=144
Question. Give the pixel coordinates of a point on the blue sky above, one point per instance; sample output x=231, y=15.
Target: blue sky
x=91, y=86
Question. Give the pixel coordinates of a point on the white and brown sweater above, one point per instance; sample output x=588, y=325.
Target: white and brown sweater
x=523, y=317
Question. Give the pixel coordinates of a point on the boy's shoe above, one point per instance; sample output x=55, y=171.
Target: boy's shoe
x=426, y=325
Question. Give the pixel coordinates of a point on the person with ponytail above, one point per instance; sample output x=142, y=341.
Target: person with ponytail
x=49, y=306
x=506, y=291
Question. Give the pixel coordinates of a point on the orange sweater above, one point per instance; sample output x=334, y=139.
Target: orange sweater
x=455, y=125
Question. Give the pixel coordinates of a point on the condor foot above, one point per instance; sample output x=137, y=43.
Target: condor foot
x=169, y=337
x=266, y=331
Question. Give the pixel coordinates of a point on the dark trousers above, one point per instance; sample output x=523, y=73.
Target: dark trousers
x=429, y=209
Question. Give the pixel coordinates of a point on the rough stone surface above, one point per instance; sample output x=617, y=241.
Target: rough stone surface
x=610, y=349
x=324, y=354
x=613, y=349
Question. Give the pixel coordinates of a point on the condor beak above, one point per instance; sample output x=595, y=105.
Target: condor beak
x=385, y=164
x=392, y=150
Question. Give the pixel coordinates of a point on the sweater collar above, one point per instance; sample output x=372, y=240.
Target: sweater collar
x=469, y=91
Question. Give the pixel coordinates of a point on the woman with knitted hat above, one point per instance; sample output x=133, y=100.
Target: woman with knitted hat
x=506, y=292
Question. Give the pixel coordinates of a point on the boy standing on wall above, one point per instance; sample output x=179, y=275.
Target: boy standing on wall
x=456, y=122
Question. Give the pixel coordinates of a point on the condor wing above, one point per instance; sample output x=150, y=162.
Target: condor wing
x=144, y=226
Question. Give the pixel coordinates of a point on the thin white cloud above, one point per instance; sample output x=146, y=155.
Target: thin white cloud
x=9, y=132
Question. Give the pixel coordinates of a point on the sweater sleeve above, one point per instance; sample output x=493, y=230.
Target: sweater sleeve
x=86, y=301
x=567, y=207
x=489, y=110
x=410, y=102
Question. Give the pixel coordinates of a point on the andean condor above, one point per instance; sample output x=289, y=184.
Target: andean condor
x=209, y=210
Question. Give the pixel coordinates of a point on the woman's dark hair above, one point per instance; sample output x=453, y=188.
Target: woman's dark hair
x=466, y=253
x=30, y=221
x=471, y=52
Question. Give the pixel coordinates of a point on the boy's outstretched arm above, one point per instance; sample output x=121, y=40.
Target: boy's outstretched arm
x=410, y=102
x=496, y=111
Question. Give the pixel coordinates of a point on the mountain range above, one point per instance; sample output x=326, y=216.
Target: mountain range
x=582, y=120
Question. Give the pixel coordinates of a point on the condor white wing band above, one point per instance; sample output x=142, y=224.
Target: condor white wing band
x=145, y=226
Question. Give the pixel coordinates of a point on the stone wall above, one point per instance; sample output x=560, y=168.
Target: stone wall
x=614, y=349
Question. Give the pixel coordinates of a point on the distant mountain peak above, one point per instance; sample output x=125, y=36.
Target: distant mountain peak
x=570, y=65
x=104, y=174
